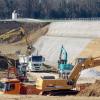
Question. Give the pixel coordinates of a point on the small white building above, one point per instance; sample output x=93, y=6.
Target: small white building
x=14, y=15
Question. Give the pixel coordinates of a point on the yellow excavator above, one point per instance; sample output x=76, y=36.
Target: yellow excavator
x=48, y=84
x=52, y=85
x=20, y=32
x=17, y=31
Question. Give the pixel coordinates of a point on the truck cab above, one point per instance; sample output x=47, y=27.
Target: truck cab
x=35, y=63
x=10, y=86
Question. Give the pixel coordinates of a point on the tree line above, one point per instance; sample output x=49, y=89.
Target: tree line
x=50, y=9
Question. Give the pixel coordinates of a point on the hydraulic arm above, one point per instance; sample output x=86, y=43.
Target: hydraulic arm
x=83, y=63
x=64, y=68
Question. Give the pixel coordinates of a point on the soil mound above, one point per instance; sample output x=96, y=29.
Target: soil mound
x=92, y=90
x=13, y=29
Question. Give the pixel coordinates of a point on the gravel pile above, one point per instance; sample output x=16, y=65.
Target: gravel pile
x=92, y=90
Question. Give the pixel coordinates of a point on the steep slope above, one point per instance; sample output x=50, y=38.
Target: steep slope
x=50, y=47
x=75, y=36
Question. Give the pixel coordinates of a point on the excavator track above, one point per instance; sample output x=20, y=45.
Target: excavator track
x=60, y=92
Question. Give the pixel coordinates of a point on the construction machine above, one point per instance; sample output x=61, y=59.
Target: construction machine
x=18, y=71
x=64, y=67
x=47, y=84
x=35, y=63
x=17, y=82
x=17, y=31
x=54, y=85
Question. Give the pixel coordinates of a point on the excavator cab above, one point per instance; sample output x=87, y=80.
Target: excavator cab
x=10, y=86
x=80, y=60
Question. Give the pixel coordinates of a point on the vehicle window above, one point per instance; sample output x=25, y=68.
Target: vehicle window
x=10, y=86
x=2, y=86
x=37, y=58
x=36, y=64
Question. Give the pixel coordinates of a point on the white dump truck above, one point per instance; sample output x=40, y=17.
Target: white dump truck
x=35, y=63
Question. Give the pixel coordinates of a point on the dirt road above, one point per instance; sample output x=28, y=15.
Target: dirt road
x=35, y=97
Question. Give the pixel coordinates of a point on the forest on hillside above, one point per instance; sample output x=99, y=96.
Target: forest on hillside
x=50, y=9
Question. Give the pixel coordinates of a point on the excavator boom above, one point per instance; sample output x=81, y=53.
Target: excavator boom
x=81, y=65
x=12, y=32
x=63, y=53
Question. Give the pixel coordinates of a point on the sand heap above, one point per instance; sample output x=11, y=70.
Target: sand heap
x=92, y=90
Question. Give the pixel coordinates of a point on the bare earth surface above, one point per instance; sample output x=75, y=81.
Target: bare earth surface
x=35, y=97
x=80, y=38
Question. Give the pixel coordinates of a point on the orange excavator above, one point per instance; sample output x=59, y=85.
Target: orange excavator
x=16, y=81
x=49, y=85
x=18, y=71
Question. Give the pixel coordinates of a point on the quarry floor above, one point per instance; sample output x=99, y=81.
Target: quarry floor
x=36, y=97
x=80, y=39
